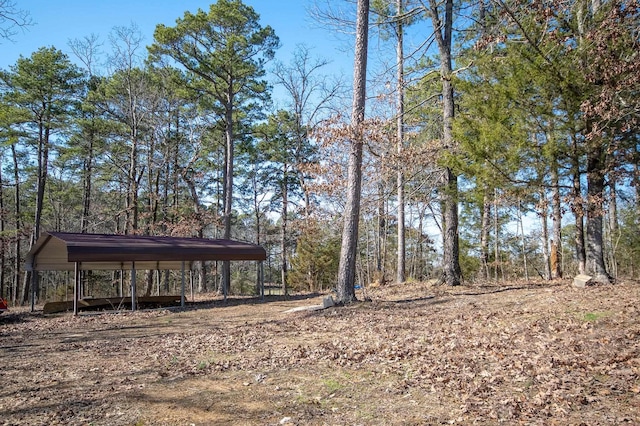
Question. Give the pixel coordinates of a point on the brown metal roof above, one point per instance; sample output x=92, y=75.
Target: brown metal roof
x=61, y=250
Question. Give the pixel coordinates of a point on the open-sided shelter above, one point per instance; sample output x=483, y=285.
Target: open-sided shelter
x=64, y=251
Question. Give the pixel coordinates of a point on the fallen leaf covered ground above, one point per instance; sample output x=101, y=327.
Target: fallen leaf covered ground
x=523, y=353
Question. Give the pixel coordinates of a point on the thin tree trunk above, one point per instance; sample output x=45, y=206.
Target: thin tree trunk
x=17, y=262
x=31, y=279
x=556, y=209
x=131, y=224
x=484, y=234
x=577, y=207
x=348, y=250
x=381, y=234
x=636, y=180
x=256, y=209
x=87, y=186
x=613, y=226
x=496, y=236
x=523, y=242
x=228, y=186
x=149, y=283
x=401, y=266
x=3, y=242
x=545, y=234
x=283, y=242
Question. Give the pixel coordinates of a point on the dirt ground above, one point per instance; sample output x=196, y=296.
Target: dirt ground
x=524, y=353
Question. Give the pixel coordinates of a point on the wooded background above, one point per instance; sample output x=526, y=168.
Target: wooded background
x=502, y=146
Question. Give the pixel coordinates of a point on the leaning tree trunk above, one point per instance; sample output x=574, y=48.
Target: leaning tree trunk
x=348, y=249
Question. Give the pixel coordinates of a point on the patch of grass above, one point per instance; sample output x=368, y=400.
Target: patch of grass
x=594, y=316
x=332, y=385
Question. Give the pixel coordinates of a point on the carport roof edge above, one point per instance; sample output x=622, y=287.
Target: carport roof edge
x=62, y=250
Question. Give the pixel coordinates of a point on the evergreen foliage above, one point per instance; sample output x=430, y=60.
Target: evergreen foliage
x=538, y=148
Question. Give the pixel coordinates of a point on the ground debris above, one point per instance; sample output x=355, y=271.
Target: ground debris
x=523, y=353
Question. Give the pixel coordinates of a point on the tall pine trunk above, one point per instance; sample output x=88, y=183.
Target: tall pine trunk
x=349, y=247
x=87, y=172
x=443, y=27
x=228, y=186
x=17, y=262
x=3, y=241
x=32, y=279
x=283, y=241
x=131, y=211
x=401, y=266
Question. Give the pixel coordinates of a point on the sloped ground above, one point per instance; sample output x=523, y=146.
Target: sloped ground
x=531, y=354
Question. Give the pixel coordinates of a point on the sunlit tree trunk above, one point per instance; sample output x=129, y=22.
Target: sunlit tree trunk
x=3, y=241
x=228, y=184
x=595, y=193
x=484, y=234
x=577, y=206
x=544, y=211
x=613, y=226
x=42, y=174
x=443, y=26
x=87, y=171
x=17, y=263
x=401, y=266
x=381, y=232
x=348, y=249
x=525, y=265
x=556, y=217
x=496, y=236
x=283, y=240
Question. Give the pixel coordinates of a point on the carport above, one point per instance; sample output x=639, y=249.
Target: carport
x=64, y=251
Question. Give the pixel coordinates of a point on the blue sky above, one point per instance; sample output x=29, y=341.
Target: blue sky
x=58, y=21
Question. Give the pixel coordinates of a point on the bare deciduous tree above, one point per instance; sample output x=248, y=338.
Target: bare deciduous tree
x=12, y=18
